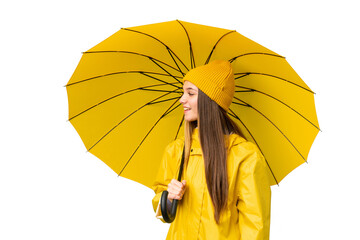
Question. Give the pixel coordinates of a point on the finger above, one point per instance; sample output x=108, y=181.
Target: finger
x=177, y=183
x=175, y=187
x=172, y=197
x=175, y=192
x=183, y=182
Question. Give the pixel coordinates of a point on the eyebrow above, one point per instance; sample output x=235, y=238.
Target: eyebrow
x=190, y=88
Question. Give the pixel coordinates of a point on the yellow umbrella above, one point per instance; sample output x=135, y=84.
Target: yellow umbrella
x=123, y=96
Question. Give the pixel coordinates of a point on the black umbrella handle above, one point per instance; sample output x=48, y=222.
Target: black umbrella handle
x=169, y=217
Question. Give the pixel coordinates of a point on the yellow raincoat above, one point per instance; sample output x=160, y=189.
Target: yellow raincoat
x=247, y=216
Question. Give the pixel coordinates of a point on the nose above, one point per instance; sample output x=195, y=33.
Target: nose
x=182, y=100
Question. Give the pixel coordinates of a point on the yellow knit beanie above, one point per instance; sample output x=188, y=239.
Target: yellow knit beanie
x=216, y=80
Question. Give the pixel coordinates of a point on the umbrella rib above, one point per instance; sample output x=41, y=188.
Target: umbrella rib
x=273, y=76
x=125, y=119
x=238, y=91
x=170, y=75
x=247, y=129
x=233, y=114
x=178, y=130
x=140, y=54
x=268, y=95
x=192, y=58
x=154, y=61
x=254, y=53
x=241, y=104
x=167, y=113
x=116, y=73
x=164, y=100
x=171, y=52
x=241, y=75
x=212, y=51
x=274, y=126
x=156, y=90
x=142, y=141
x=117, y=95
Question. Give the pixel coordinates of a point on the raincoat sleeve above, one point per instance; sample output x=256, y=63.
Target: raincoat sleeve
x=254, y=195
x=167, y=171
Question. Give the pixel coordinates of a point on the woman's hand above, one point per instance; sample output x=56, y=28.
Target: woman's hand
x=176, y=189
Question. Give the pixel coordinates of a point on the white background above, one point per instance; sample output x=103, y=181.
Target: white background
x=50, y=188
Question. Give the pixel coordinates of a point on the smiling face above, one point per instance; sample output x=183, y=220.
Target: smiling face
x=189, y=101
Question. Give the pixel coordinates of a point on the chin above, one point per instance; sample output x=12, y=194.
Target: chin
x=190, y=119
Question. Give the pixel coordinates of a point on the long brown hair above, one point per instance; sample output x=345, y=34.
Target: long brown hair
x=214, y=124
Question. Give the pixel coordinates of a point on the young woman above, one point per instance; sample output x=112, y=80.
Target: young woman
x=225, y=191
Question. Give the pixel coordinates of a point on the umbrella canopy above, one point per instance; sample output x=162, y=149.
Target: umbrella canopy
x=123, y=96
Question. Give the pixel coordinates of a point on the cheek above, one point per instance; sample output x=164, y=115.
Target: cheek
x=194, y=105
